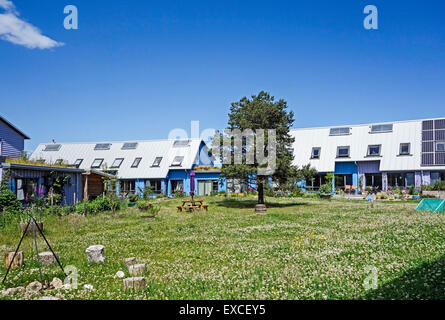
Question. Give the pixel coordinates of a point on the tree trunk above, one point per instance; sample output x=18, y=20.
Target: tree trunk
x=18, y=260
x=260, y=191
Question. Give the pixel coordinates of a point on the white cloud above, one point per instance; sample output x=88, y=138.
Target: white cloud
x=7, y=5
x=18, y=31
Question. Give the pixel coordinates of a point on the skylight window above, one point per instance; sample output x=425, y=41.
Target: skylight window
x=374, y=150
x=130, y=146
x=379, y=128
x=136, y=162
x=177, y=161
x=157, y=162
x=316, y=153
x=343, y=152
x=181, y=143
x=340, y=131
x=97, y=163
x=78, y=162
x=117, y=163
x=52, y=147
x=102, y=146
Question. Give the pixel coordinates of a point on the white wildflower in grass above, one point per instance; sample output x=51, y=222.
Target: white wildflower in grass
x=300, y=249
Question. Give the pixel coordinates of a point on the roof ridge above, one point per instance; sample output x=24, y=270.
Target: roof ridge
x=121, y=141
x=13, y=127
x=365, y=124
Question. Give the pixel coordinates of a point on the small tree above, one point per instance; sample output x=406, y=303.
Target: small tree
x=308, y=173
x=260, y=112
x=327, y=187
x=147, y=191
x=296, y=174
x=110, y=187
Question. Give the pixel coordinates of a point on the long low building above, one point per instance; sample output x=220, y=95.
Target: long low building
x=381, y=155
x=29, y=179
x=164, y=165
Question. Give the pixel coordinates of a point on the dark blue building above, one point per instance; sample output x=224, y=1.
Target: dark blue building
x=24, y=178
x=12, y=140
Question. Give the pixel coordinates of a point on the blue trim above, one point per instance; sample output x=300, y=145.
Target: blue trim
x=347, y=168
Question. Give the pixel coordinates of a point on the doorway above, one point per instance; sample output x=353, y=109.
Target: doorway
x=374, y=181
x=206, y=187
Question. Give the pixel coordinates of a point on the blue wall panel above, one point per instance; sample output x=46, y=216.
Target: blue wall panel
x=348, y=168
x=302, y=184
x=210, y=176
x=12, y=143
x=178, y=175
x=140, y=185
x=71, y=189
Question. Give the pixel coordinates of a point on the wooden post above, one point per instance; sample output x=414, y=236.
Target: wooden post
x=52, y=202
x=136, y=283
x=18, y=260
x=85, y=196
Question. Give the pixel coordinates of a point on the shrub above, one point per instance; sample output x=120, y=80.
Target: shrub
x=146, y=192
x=100, y=204
x=179, y=194
x=68, y=210
x=325, y=188
x=9, y=202
x=154, y=209
x=297, y=192
x=436, y=186
x=133, y=198
x=310, y=195
x=268, y=190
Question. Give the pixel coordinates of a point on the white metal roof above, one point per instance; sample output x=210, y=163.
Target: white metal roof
x=359, y=139
x=147, y=150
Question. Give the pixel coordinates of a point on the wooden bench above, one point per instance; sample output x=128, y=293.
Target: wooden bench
x=191, y=208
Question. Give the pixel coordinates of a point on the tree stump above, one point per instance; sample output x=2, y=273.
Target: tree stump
x=260, y=208
x=130, y=261
x=95, y=254
x=136, y=269
x=137, y=283
x=18, y=260
x=31, y=225
x=47, y=258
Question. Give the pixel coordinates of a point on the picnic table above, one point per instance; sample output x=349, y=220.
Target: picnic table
x=192, y=204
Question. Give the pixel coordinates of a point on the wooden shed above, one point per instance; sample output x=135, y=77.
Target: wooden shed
x=93, y=183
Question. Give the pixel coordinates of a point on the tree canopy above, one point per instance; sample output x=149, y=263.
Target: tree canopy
x=250, y=116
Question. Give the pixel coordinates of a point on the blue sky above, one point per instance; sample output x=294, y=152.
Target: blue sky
x=137, y=69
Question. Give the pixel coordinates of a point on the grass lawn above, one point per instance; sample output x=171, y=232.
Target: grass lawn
x=300, y=249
